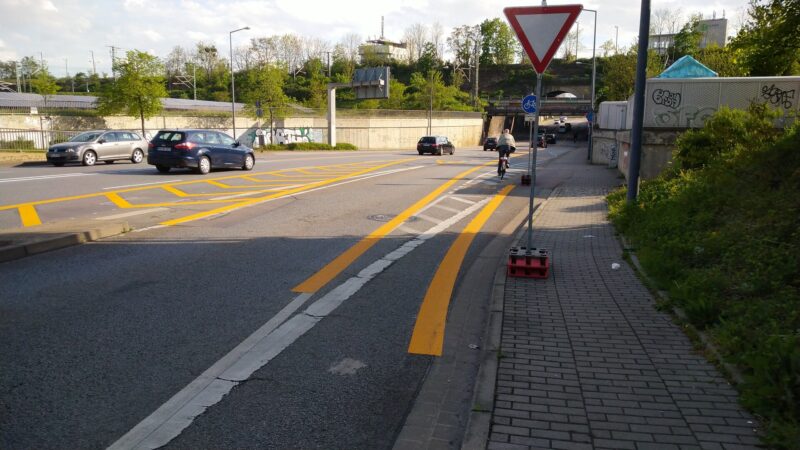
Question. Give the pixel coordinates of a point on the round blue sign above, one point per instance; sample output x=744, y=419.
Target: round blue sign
x=529, y=104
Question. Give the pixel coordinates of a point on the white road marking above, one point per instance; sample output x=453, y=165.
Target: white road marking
x=407, y=229
x=141, y=184
x=463, y=200
x=46, y=177
x=169, y=420
x=428, y=218
x=447, y=208
x=177, y=413
x=347, y=366
x=131, y=214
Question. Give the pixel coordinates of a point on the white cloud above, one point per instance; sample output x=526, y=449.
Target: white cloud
x=154, y=36
x=47, y=5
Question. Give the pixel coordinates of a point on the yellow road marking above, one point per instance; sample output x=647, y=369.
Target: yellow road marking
x=29, y=216
x=222, y=185
x=428, y=335
x=246, y=203
x=175, y=191
x=341, y=262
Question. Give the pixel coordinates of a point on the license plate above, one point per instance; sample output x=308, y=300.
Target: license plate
x=164, y=149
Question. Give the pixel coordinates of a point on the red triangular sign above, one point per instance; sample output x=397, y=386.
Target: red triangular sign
x=541, y=29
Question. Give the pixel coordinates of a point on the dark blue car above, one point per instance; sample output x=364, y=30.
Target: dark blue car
x=199, y=150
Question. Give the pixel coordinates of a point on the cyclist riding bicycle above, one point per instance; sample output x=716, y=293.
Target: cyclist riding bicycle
x=505, y=144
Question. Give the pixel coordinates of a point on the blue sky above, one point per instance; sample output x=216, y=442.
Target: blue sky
x=70, y=29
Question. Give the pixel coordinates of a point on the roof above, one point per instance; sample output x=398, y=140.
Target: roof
x=687, y=67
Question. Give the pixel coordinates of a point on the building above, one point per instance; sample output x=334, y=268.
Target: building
x=715, y=31
x=383, y=50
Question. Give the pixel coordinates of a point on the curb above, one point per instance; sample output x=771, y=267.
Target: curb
x=476, y=435
x=35, y=246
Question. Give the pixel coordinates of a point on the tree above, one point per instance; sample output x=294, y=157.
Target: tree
x=264, y=84
x=617, y=74
x=461, y=43
x=498, y=42
x=608, y=48
x=138, y=89
x=769, y=43
x=45, y=84
x=429, y=59
x=415, y=37
x=722, y=60
x=570, y=41
x=687, y=41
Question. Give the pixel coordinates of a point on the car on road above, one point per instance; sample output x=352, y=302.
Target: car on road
x=435, y=145
x=490, y=143
x=199, y=150
x=549, y=136
x=98, y=145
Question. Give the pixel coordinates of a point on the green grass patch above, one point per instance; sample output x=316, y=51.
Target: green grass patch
x=720, y=232
x=308, y=146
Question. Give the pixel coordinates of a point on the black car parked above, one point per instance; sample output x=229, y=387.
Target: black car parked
x=200, y=150
x=490, y=143
x=435, y=145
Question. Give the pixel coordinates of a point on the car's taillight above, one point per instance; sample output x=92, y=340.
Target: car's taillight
x=150, y=145
x=185, y=146
x=435, y=145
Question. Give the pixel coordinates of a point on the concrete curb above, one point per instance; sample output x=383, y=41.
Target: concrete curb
x=34, y=245
x=479, y=423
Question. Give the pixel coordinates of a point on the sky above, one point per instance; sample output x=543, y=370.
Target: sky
x=64, y=33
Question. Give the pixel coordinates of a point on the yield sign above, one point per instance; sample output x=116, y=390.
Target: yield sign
x=541, y=29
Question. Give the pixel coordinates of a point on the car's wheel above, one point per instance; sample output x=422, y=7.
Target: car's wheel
x=420, y=153
x=162, y=169
x=439, y=152
x=89, y=158
x=204, y=165
x=137, y=156
x=58, y=164
x=249, y=162
x=452, y=150
x=110, y=161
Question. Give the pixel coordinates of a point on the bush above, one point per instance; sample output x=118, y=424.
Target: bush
x=18, y=144
x=721, y=233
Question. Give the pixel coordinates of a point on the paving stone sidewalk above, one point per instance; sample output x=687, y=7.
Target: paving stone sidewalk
x=586, y=360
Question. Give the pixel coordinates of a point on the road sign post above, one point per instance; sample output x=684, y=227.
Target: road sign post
x=540, y=30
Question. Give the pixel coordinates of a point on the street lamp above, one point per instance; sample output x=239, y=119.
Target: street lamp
x=233, y=83
x=594, y=73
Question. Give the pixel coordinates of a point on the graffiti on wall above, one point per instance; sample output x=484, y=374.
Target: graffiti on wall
x=291, y=135
x=693, y=116
x=777, y=96
x=667, y=98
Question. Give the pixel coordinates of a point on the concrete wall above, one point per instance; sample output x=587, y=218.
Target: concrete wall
x=657, y=148
x=396, y=130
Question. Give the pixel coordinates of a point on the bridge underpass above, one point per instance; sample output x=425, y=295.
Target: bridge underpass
x=508, y=114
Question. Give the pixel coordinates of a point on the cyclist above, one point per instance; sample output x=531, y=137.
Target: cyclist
x=504, y=146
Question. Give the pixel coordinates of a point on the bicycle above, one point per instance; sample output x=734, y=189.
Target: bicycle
x=502, y=165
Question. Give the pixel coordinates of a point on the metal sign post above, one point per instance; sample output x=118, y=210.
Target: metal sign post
x=540, y=30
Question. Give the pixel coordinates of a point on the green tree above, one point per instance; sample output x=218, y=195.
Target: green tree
x=722, y=60
x=264, y=84
x=138, y=89
x=45, y=84
x=498, y=42
x=687, y=41
x=769, y=43
x=429, y=59
x=397, y=95
x=617, y=74
x=430, y=91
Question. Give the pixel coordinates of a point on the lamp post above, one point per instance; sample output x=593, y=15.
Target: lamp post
x=594, y=74
x=233, y=83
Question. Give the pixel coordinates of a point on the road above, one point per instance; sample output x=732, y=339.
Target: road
x=298, y=305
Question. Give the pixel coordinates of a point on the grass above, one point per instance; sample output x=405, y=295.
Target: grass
x=720, y=233
x=307, y=146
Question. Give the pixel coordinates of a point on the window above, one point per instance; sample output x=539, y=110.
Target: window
x=225, y=139
x=168, y=136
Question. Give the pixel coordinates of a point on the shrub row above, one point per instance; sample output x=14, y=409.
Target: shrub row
x=720, y=231
x=17, y=144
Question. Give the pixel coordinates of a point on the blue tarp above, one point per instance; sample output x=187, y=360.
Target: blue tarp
x=687, y=67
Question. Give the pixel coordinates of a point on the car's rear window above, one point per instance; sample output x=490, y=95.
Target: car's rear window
x=491, y=139
x=428, y=140
x=168, y=137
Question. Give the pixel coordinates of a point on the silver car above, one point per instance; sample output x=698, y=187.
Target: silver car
x=99, y=145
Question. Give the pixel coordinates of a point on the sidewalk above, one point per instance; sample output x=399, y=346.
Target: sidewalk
x=586, y=361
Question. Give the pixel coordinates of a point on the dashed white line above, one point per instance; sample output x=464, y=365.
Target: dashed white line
x=462, y=200
x=46, y=177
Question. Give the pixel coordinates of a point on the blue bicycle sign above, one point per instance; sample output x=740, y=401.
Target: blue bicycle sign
x=529, y=104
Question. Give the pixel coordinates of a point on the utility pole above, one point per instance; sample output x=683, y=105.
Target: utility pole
x=616, y=40
x=329, y=63
x=477, y=65
x=577, y=39
x=16, y=72
x=113, y=60
x=94, y=66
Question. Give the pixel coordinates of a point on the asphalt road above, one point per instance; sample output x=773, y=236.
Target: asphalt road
x=101, y=337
